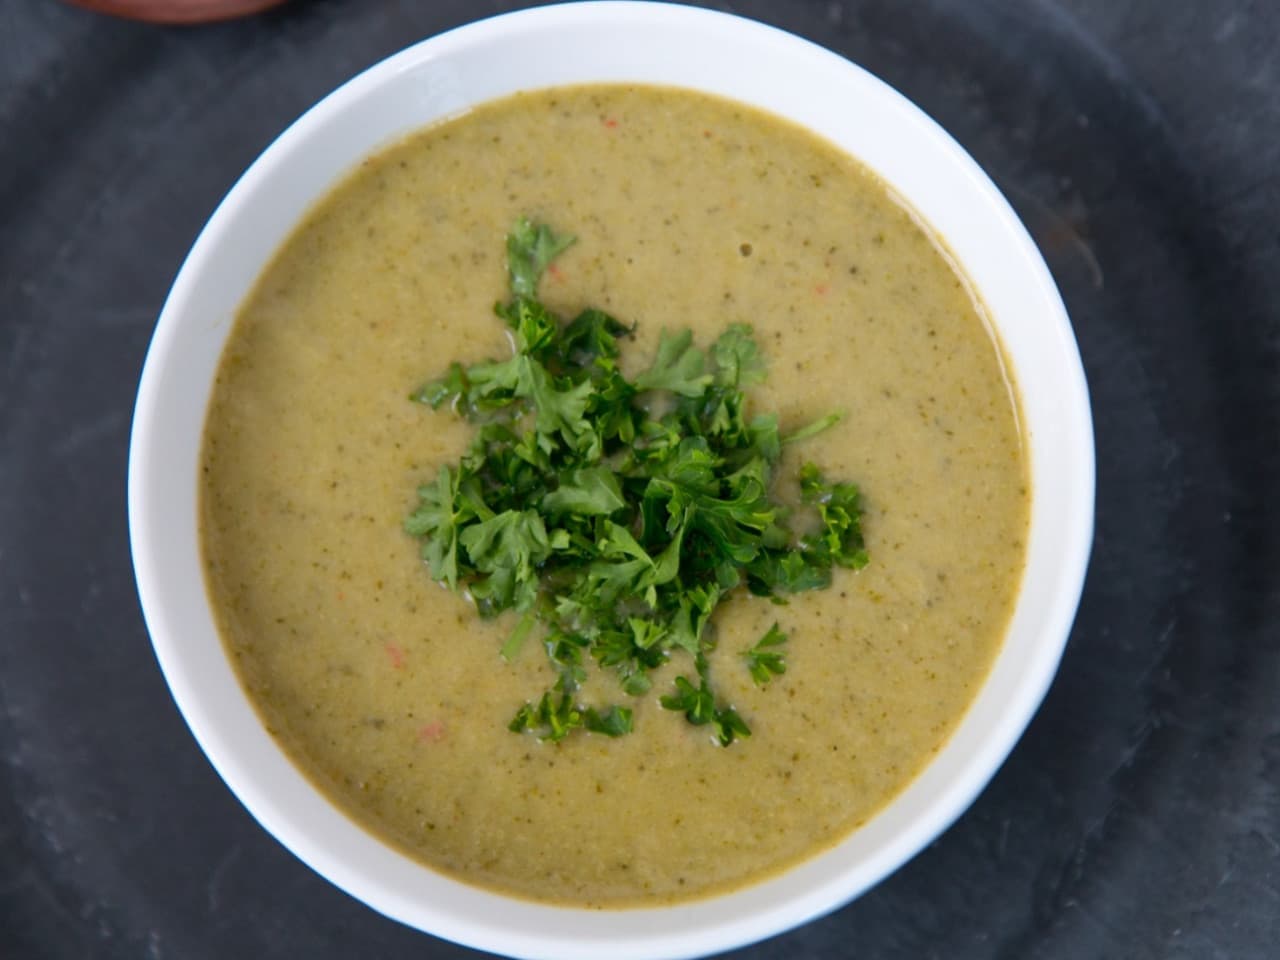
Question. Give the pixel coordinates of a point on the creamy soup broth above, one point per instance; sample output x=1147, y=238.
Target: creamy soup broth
x=389, y=692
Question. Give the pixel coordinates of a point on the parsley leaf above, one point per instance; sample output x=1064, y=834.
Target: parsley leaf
x=678, y=367
x=442, y=508
x=839, y=505
x=589, y=490
x=592, y=335
x=505, y=550
x=763, y=661
x=729, y=726
x=698, y=704
x=613, y=721
x=737, y=358
x=700, y=708
x=530, y=249
x=552, y=719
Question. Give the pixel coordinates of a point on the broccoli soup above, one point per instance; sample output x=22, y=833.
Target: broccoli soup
x=664, y=575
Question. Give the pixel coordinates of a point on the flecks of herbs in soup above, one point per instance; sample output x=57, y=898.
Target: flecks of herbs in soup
x=690, y=212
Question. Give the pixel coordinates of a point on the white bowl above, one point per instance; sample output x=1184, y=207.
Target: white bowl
x=444, y=76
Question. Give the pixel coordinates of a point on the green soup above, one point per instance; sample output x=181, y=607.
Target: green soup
x=389, y=692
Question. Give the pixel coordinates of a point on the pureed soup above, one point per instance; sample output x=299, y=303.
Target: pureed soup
x=389, y=690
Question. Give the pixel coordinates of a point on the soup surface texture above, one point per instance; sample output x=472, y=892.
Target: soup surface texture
x=389, y=691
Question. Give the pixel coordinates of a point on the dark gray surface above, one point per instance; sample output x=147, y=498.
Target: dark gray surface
x=1140, y=815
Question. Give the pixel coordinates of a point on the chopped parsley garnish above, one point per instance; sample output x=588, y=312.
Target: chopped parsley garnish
x=615, y=514
x=764, y=660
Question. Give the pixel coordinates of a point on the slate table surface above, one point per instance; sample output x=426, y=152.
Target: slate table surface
x=1139, y=139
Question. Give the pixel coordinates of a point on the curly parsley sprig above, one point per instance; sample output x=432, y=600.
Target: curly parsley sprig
x=613, y=527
